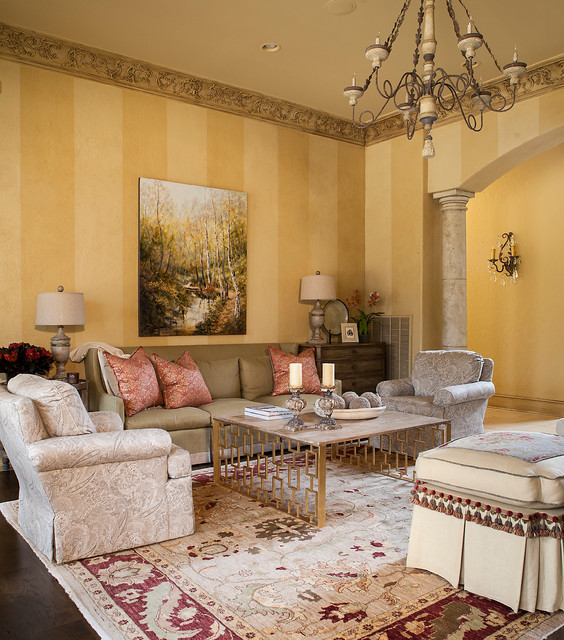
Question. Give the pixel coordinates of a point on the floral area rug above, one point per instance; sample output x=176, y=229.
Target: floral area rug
x=253, y=573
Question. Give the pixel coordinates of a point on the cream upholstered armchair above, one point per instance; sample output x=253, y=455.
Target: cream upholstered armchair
x=453, y=385
x=87, y=487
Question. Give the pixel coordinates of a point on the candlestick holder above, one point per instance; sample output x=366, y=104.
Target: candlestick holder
x=326, y=406
x=295, y=404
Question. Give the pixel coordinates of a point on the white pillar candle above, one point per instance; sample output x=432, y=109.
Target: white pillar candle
x=295, y=375
x=328, y=375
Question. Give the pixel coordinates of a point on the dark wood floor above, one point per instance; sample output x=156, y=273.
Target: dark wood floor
x=33, y=605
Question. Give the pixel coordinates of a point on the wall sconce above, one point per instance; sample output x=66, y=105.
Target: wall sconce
x=506, y=261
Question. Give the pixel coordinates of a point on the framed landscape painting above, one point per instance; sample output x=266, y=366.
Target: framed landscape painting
x=192, y=260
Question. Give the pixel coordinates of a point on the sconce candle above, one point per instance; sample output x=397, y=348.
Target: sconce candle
x=328, y=377
x=507, y=260
x=295, y=375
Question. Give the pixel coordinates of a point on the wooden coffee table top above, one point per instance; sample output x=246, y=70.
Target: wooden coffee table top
x=386, y=422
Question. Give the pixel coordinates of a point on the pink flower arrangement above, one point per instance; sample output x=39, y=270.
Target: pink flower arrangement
x=363, y=318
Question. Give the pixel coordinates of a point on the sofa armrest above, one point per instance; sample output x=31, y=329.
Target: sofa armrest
x=94, y=449
x=106, y=421
x=112, y=403
x=457, y=394
x=399, y=387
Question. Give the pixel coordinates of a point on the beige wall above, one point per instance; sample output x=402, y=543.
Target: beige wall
x=519, y=325
x=402, y=238
x=73, y=151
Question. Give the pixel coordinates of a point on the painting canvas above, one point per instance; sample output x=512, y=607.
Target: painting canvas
x=192, y=260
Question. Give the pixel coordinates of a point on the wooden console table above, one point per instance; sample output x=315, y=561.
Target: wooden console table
x=359, y=365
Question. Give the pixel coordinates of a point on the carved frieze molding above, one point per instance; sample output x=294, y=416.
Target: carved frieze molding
x=541, y=78
x=30, y=47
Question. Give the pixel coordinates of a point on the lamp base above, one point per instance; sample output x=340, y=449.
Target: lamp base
x=316, y=318
x=60, y=348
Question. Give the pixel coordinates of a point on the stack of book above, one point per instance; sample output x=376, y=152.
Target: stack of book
x=268, y=412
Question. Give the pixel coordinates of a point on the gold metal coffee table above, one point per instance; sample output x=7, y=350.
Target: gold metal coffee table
x=287, y=469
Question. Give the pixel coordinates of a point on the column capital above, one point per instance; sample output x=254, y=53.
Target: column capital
x=453, y=198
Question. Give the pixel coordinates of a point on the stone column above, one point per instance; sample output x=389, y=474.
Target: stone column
x=453, y=205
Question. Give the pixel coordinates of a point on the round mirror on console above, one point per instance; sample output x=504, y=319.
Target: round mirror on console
x=336, y=312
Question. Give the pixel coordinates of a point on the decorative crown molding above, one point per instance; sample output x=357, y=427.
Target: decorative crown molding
x=30, y=47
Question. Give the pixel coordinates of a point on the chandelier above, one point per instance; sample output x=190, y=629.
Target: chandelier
x=419, y=96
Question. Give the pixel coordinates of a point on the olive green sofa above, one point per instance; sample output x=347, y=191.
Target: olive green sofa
x=237, y=375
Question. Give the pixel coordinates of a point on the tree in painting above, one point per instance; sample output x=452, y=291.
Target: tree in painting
x=192, y=260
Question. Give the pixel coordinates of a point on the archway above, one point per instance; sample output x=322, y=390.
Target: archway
x=453, y=203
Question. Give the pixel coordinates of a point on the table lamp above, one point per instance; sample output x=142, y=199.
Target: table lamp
x=57, y=309
x=313, y=289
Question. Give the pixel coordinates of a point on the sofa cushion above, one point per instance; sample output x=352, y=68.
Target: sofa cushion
x=520, y=468
x=433, y=370
x=281, y=361
x=256, y=377
x=182, y=383
x=59, y=404
x=222, y=377
x=169, y=419
x=227, y=406
x=137, y=381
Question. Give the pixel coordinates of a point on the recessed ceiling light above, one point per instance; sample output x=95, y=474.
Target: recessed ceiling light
x=270, y=47
x=340, y=7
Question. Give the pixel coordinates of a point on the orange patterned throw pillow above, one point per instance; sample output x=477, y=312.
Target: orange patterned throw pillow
x=182, y=382
x=280, y=371
x=137, y=381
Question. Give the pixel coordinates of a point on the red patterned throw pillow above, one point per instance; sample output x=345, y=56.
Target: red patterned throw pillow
x=182, y=382
x=137, y=381
x=281, y=373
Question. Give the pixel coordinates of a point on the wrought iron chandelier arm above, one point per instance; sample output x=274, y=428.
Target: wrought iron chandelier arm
x=367, y=117
x=503, y=104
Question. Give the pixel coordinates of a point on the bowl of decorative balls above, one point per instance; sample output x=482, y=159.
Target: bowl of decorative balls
x=351, y=406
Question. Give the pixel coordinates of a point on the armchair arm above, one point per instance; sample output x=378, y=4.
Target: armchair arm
x=179, y=463
x=460, y=393
x=94, y=449
x=399, y=387
x=105, y=421
x=107, y=402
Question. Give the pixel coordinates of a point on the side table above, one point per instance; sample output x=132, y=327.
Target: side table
x=82, y=387
x=359, y=365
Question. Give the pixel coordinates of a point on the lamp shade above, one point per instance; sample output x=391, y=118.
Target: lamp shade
x=58, y=308
x=317, y=287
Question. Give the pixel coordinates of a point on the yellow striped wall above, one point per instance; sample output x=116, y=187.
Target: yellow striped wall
x=73, y=151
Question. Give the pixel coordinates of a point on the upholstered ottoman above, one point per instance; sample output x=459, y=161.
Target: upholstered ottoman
x=488, y=515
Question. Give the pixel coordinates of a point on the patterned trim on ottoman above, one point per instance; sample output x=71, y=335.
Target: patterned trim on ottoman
x=532, y=525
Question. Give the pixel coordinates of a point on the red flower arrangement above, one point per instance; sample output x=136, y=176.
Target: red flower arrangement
x=22, y=357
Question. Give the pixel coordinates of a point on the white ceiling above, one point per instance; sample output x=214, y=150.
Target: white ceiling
x=221, y=39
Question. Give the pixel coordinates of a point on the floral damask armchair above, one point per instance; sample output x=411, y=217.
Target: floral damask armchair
x=87, y=487
x=453, y=385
